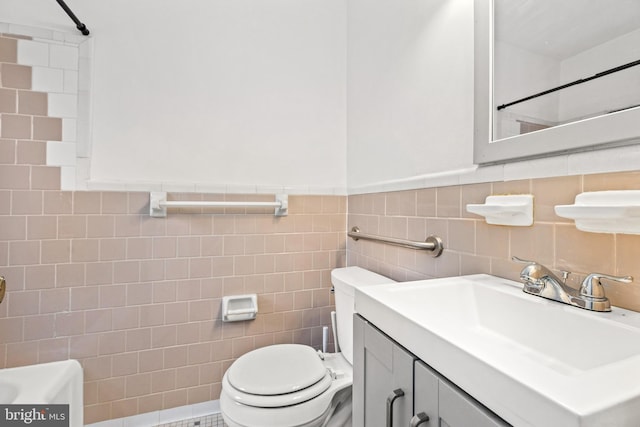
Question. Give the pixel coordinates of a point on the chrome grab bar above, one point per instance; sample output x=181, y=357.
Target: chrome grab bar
x=433, y=243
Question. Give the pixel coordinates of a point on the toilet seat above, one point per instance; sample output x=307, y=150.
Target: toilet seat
x=310, y=413
x=277, y=376
x=278, y=400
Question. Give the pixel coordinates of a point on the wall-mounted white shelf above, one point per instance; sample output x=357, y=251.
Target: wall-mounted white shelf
x=605, y=211
x=515, y=210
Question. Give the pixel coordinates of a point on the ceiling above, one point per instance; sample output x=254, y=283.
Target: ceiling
x=563, y=28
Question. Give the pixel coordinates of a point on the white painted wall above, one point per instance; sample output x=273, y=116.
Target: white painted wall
x=252, y=95
x=597, y=95
x=410, y=89
x=519, y=73
x=234, y=94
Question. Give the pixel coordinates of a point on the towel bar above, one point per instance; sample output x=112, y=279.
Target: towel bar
x=158, y=204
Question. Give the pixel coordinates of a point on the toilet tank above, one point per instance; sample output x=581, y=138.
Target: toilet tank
x=345, y=281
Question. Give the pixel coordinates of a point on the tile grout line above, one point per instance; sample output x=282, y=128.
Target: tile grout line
x=213, y=420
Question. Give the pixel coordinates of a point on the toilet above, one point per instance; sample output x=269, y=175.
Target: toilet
x=289, y=385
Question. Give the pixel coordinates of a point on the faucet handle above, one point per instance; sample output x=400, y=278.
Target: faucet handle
x=522, y=261
x=565, y=275
x=592, y=288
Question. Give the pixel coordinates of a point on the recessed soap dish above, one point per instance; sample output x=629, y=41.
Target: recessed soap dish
x=516, y=210
x=239, y=307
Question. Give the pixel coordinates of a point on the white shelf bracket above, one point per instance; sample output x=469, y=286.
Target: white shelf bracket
x=514, y=210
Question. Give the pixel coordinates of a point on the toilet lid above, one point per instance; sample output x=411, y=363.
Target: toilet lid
x=276, y=369
x=277, y=400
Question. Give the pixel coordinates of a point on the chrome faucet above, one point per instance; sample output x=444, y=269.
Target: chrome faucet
x=540, y=281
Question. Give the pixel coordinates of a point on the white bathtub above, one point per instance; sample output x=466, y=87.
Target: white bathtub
x=55, y=382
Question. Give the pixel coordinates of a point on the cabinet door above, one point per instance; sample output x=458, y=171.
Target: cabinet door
x=458, y=409
x=383, y=379
x=357, y=416
x=426, y=390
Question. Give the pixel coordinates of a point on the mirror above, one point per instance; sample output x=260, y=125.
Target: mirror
x=554, y=77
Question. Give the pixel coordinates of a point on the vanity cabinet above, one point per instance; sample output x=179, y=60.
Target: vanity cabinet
x=382, y=378
x=389, y=379
x=445, y=404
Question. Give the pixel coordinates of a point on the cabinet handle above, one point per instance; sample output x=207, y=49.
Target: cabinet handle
x=390, y=399
x=418, y=419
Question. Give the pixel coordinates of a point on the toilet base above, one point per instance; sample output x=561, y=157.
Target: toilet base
x=337, y=414
x=341, y=416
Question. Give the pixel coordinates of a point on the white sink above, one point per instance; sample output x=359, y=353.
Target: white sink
x=533, y=361
x=8, y=393
x=55, y=383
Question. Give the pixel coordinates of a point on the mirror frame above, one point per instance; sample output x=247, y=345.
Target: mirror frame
x=615, y=129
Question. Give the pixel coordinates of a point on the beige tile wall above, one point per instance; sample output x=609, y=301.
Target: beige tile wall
x=473, y=246
x=137, y=299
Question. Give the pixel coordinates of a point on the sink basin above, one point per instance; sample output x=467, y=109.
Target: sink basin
x=54, y=382
x=8, y=393
x=533, y=361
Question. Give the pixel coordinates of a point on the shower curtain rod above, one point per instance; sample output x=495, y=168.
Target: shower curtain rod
x=577, y=82
x=79, y=25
